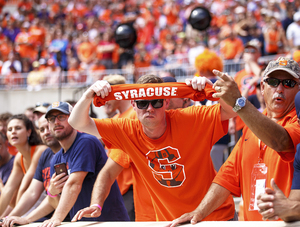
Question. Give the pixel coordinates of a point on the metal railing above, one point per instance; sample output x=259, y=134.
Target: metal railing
x=43, y=80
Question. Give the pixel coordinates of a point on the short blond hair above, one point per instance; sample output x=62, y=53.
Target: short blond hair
x=115, y=79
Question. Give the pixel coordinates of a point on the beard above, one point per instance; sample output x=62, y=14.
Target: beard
x=63, y=135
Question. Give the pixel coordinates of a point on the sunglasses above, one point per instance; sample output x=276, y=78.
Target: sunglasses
x=45, y=104
x=156, y=103
x=250, y=50
x=60, y=117
x=274, y=82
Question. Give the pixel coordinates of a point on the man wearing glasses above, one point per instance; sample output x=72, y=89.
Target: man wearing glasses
x=84, y=156
x=170, y=148
x=267, y=147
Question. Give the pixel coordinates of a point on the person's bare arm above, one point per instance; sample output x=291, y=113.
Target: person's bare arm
x=79, y=118
x=267, y=130
x=11, y=185
x=101, y=189
x=42, y=210
x=214, y=198
x=29, y=198
x=68, y=198
x=31, y=170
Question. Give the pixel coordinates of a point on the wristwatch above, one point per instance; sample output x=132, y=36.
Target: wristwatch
x=239, y=104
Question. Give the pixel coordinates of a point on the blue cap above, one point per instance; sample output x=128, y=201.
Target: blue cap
x=169, y=79
x=297, y=104
x=63, y=107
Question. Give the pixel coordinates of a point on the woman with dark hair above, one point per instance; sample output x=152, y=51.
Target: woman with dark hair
x=22, y=135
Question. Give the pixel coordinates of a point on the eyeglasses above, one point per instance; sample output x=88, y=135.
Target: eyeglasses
x=44, y=104
x=250, y=50
x=274, y=82
x=60, y=117
x=156, y=103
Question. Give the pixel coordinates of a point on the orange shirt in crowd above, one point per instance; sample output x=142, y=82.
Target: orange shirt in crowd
x=231, y=48
x=235, y=174
x=272, y=45
x=25, y=45
x=142, y=61
x=25, y=5
x=37, y=34
x=169, y=165
x=86, y=51
x=5, y=49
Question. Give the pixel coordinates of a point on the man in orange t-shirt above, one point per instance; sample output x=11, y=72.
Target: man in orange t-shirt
x=136, y=197
x=268, y=145
x=166, y=146
x=25, y=43
x=232, y=47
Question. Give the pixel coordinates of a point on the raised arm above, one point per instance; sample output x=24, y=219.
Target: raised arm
x=198, y=83
x=267, y=130
x=79, y=118
x=104, y=181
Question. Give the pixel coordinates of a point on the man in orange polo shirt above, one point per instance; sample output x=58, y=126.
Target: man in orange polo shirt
x=268, y=145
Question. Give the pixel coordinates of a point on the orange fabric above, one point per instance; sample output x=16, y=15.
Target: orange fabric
x=125, y=177
x=38, y=35
x=106, y=16
x=85, y=51
x=32, y=150
x=242, y=78
x=5, y=49
x=25, y=5
x=235, y=174
x=144, y=210
x=115, y=54
x=169, y=165
x=230, y=48
x=155, y=91
x=25, y=45
x=13, y=78
x=142, y=61
x=272, y=46
x=172, y=14
x=12, y=150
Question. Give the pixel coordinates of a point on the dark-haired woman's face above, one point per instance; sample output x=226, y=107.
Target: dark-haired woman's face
x=17, y=133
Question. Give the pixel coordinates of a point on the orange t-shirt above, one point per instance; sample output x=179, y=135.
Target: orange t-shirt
x=273, y=46
x=25, y=45
x=125, y=177
x=86, y=51
x=38, y=35
x=235, y=174
x=176, y=168
x=144, y=210
x=230, y=48
x=5, y=49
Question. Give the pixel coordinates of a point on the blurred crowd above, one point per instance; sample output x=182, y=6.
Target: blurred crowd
x=77, y=36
